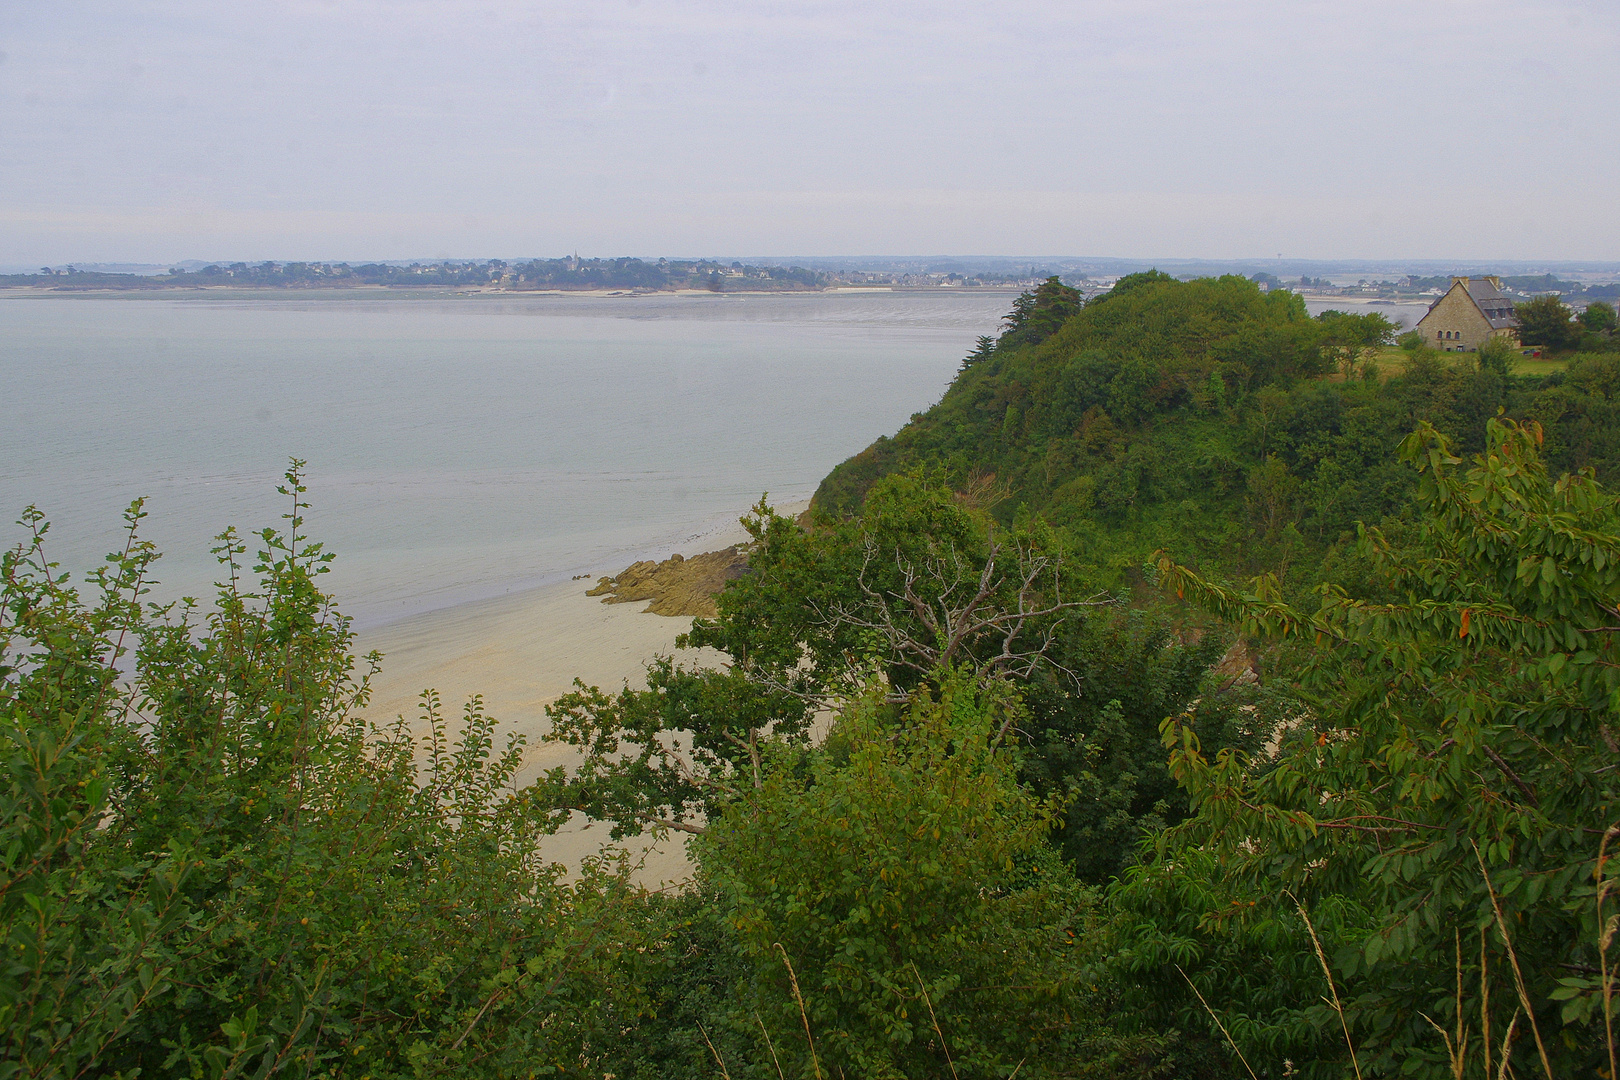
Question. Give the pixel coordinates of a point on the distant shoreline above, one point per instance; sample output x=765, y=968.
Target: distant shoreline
x=623, y=276
x=443, y=290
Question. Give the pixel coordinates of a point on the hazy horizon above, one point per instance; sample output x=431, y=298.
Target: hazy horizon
x=1102, y=265
x=401, y=129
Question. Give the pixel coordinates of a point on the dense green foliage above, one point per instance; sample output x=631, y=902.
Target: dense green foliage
x=214, y=869
x=1201, y=418
x=1546, y=321
x=905, y=624
x=1219, y=420
x=1006, y=770
x=1447, y=790
x=928, y=925
x=1039, y=314
x=921, y=583
x=1598, y=317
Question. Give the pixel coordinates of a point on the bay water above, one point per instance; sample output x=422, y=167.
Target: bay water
x=459, y=447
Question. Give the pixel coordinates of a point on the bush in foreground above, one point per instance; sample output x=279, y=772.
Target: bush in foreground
x=210, y=866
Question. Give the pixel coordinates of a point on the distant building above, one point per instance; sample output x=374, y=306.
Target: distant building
x=1470, y=313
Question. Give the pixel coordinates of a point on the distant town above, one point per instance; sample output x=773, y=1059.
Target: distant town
x=1576, y=284
x=1414, y=288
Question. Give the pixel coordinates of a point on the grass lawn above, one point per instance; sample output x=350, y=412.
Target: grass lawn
x=1392, y=359
x=1526, y=366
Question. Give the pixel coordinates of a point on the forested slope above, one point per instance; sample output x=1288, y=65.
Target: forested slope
x=1218, y=421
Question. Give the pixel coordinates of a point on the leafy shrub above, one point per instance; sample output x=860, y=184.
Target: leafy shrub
x=213, y=866
x=920, y=924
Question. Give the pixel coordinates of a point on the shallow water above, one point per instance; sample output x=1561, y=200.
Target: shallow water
x=1403, y=315
x=459, y=447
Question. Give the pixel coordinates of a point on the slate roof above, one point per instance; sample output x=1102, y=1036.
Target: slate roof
x=1496, y=308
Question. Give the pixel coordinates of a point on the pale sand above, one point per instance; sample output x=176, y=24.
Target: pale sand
x=522, y=652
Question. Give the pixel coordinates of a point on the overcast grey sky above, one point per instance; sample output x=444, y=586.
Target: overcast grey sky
x=171, y=129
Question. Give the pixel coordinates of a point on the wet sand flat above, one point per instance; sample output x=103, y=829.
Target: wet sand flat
x=521, y=653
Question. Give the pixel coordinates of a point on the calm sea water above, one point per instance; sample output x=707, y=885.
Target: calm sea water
x=1404, y=316
x=459, y=446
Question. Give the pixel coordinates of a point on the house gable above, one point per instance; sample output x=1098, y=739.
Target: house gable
x=1472, y=312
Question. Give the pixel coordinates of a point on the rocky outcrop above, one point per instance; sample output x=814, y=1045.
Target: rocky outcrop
x=676, y=586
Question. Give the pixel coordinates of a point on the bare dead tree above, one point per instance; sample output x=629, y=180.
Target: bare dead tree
x=999, y=620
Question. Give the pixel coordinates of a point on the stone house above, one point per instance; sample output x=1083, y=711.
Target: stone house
x=1470, y=313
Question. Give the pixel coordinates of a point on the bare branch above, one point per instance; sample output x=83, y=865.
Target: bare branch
x=958, y=611
x=665, y=823
x=1513, y=777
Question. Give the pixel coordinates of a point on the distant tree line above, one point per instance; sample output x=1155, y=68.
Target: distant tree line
x=571, y=273
x=663, y=274
x=1530, y=285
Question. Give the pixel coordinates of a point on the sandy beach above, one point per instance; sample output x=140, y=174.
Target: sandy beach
x=522, y=652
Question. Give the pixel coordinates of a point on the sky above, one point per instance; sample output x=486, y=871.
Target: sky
x=164, y=130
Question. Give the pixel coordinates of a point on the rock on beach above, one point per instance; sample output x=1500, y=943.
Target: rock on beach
x=678, y=585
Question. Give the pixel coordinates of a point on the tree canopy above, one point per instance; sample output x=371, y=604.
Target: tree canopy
x=1546, y=320
x=1444, y=792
